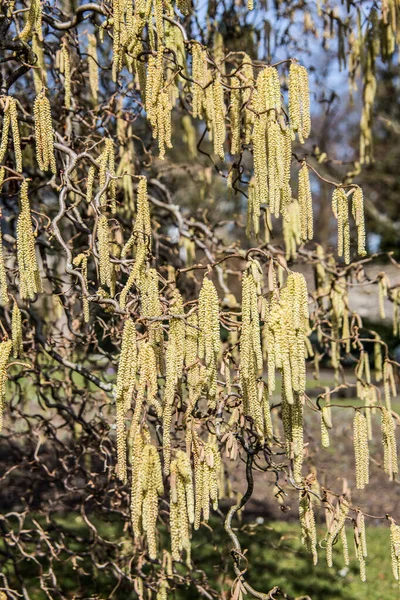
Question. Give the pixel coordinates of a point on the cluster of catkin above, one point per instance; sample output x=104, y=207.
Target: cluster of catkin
x=10, y=119
x=29, y=277
x=340, y=207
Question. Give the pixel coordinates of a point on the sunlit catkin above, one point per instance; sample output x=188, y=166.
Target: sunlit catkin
x=181, y=506
x=389, y=443
x=81, y=261
x=16, y=330
x=209, y=335
x=3, y=274
x=93, y=66
x=207, y=471
x=307, y=522
x=44, y=134
x=33, y=21
x=10, y=118
x=126, y=379
x=29, y=276
x=5, y=350
x=104, y=252
x=65, y=69
x=299, y=101
x=395, y=549
x=305, y=204
x=107, y=169
x=340, y=207
x=360, y=543
x=361, y=451
x=337, y=529
x=358, y=215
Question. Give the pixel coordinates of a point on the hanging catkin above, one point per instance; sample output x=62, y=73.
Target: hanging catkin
x=299, y=101
x=126, y=379
x=307, y=522
x=5, y=350
x=305, y=204
x=82, y=260
x=44, y=134
x=209, y=335
x=39, y=70
x=207, y=466
x=93, y=66
x=181, y=506
x=3, y=275
x=291, y=225
x=235, y=114
x=395, y=549
x=361, y=451
x=174, y=367
x=10, y=118
x=337, y=529
x=33, y=21
x=105, y=267
x=358, y=215
x=64, y=66
x=360, y=543
x=389, y=443
x=107, y=166
x=340, y=207
x=16, y=329
x=29, y=276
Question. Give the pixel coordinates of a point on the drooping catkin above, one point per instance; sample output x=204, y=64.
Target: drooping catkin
x=207, y=466
x=299, y=101
x=361, y=450
x=174, y=366
x=107, y=167
x=44, y=133
x=360, y=543
x=389, y=384
x=39, y=70
x=307, y=522
x=93, y=66
x=209, y=335
x=126, y=380
x=10, y=118
x=389, y=443
x=33, y=21
x=105, y=267
x=147, y=388
x=383, y=287
x=395, y=549
x=3, y=274
x=340, y=207
x=181, y=506
x=5, y=350
x=16, y=330
x=147, y=486
x=29, y=276
x=235, y=114
x=250, y=345
x=378, y=361
x=201, y=78
x=326, y=424
x=358, y=215
x=151, y=307
x=64, y=65
x=336, y=529
x=82, y=261
x=291, y=225
x=305, y=204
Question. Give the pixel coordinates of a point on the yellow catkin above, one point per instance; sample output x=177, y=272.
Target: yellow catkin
x=10, y=119
x=147, y=486
x=395, y=549
x=201, y=78
x=81, y=260
x=89, y=183
x=358, y=215
x=383, y=287
x=360, y=543
x=235, y=114
x=141, y=237
x=107, y=167
x=389, y=384
x=64, y=65
x=33, y=21
x=126, y=379
x=250, y=346
x=337, y=529
x=105, y=267
x=44, y=134
x=3, y=274
x=291, y=226
x=181, y=506
x=16, y=329
x=340, y=207
x=93, y=66
x=378, y=361
x=253, y=211
x=5, y=350
x=29, y=276
x=209, y=335
x=299, y=101
x=174, y=366
x=207, y=472
x=307, y=522
x=305, y=204
x=389, y=443
x=326, y=424
x=361, y=450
